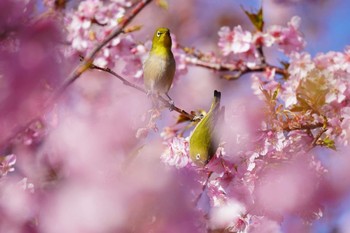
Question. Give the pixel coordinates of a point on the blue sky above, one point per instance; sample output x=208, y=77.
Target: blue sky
x=336, y=31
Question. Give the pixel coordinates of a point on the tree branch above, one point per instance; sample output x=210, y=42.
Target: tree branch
x=315, y=140
x=160, y=98
x=261, y=55
x=239, y=71
x=304, y=127
x=196, y=58
x=204, y=186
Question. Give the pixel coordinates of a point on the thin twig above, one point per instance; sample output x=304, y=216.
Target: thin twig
x=125, y=82
x=261, y=55
x=160, y=98
x=315, y=140
x=222, y=67
x=211, y=65
x=197, y=58
x=304, y=127
x=203, y=187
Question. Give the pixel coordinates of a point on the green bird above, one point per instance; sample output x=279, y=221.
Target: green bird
x=159, y=68
x=203, y=141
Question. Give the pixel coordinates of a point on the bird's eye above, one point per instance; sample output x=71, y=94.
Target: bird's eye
x=158, y=34
x=198, y=156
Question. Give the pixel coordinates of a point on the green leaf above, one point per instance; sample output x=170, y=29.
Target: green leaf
x=275, y=94
x=285, y=64
x=256, y=18
x=327, y=142
x=163, y=4
x=312, y=91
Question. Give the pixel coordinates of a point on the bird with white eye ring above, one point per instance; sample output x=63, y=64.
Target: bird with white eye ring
x=159, y=67
x=204, y=138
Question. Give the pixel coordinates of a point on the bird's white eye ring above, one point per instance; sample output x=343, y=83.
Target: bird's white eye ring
x=198, y=156
x=158, y=34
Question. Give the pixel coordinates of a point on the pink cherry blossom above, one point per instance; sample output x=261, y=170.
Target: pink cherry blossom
x=91, y=23
x=263, y=39
x=168, y=133
x=176, y=153
x=7, y=164
x=226, y=215
x=89, y=8
x=331, y=61
x=300, y=65
x=345, y=126
x=234, y=41
x=266, y=81
x=337, y=93
x=289, y=39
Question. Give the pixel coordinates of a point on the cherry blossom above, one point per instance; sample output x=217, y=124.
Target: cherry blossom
x=289, y=39
x=7, y=164
x=176, y=153
x=226, y=215
x=91, y=23
x=234, y=41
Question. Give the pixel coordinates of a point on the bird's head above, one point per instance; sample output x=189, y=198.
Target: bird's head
x=162, y=38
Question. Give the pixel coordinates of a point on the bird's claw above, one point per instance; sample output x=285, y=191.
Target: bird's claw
x=198, y=117
x=171, y=105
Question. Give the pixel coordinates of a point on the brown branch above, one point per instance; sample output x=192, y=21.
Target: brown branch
x=315, y=140
x=197, y=58
x=211, y=65
x=125, y=82
x=261, y=55
x=304, y=127
x=160, y=98
x=308, y=128
x=239, y=71
x=204, y=186
x=89, y=58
